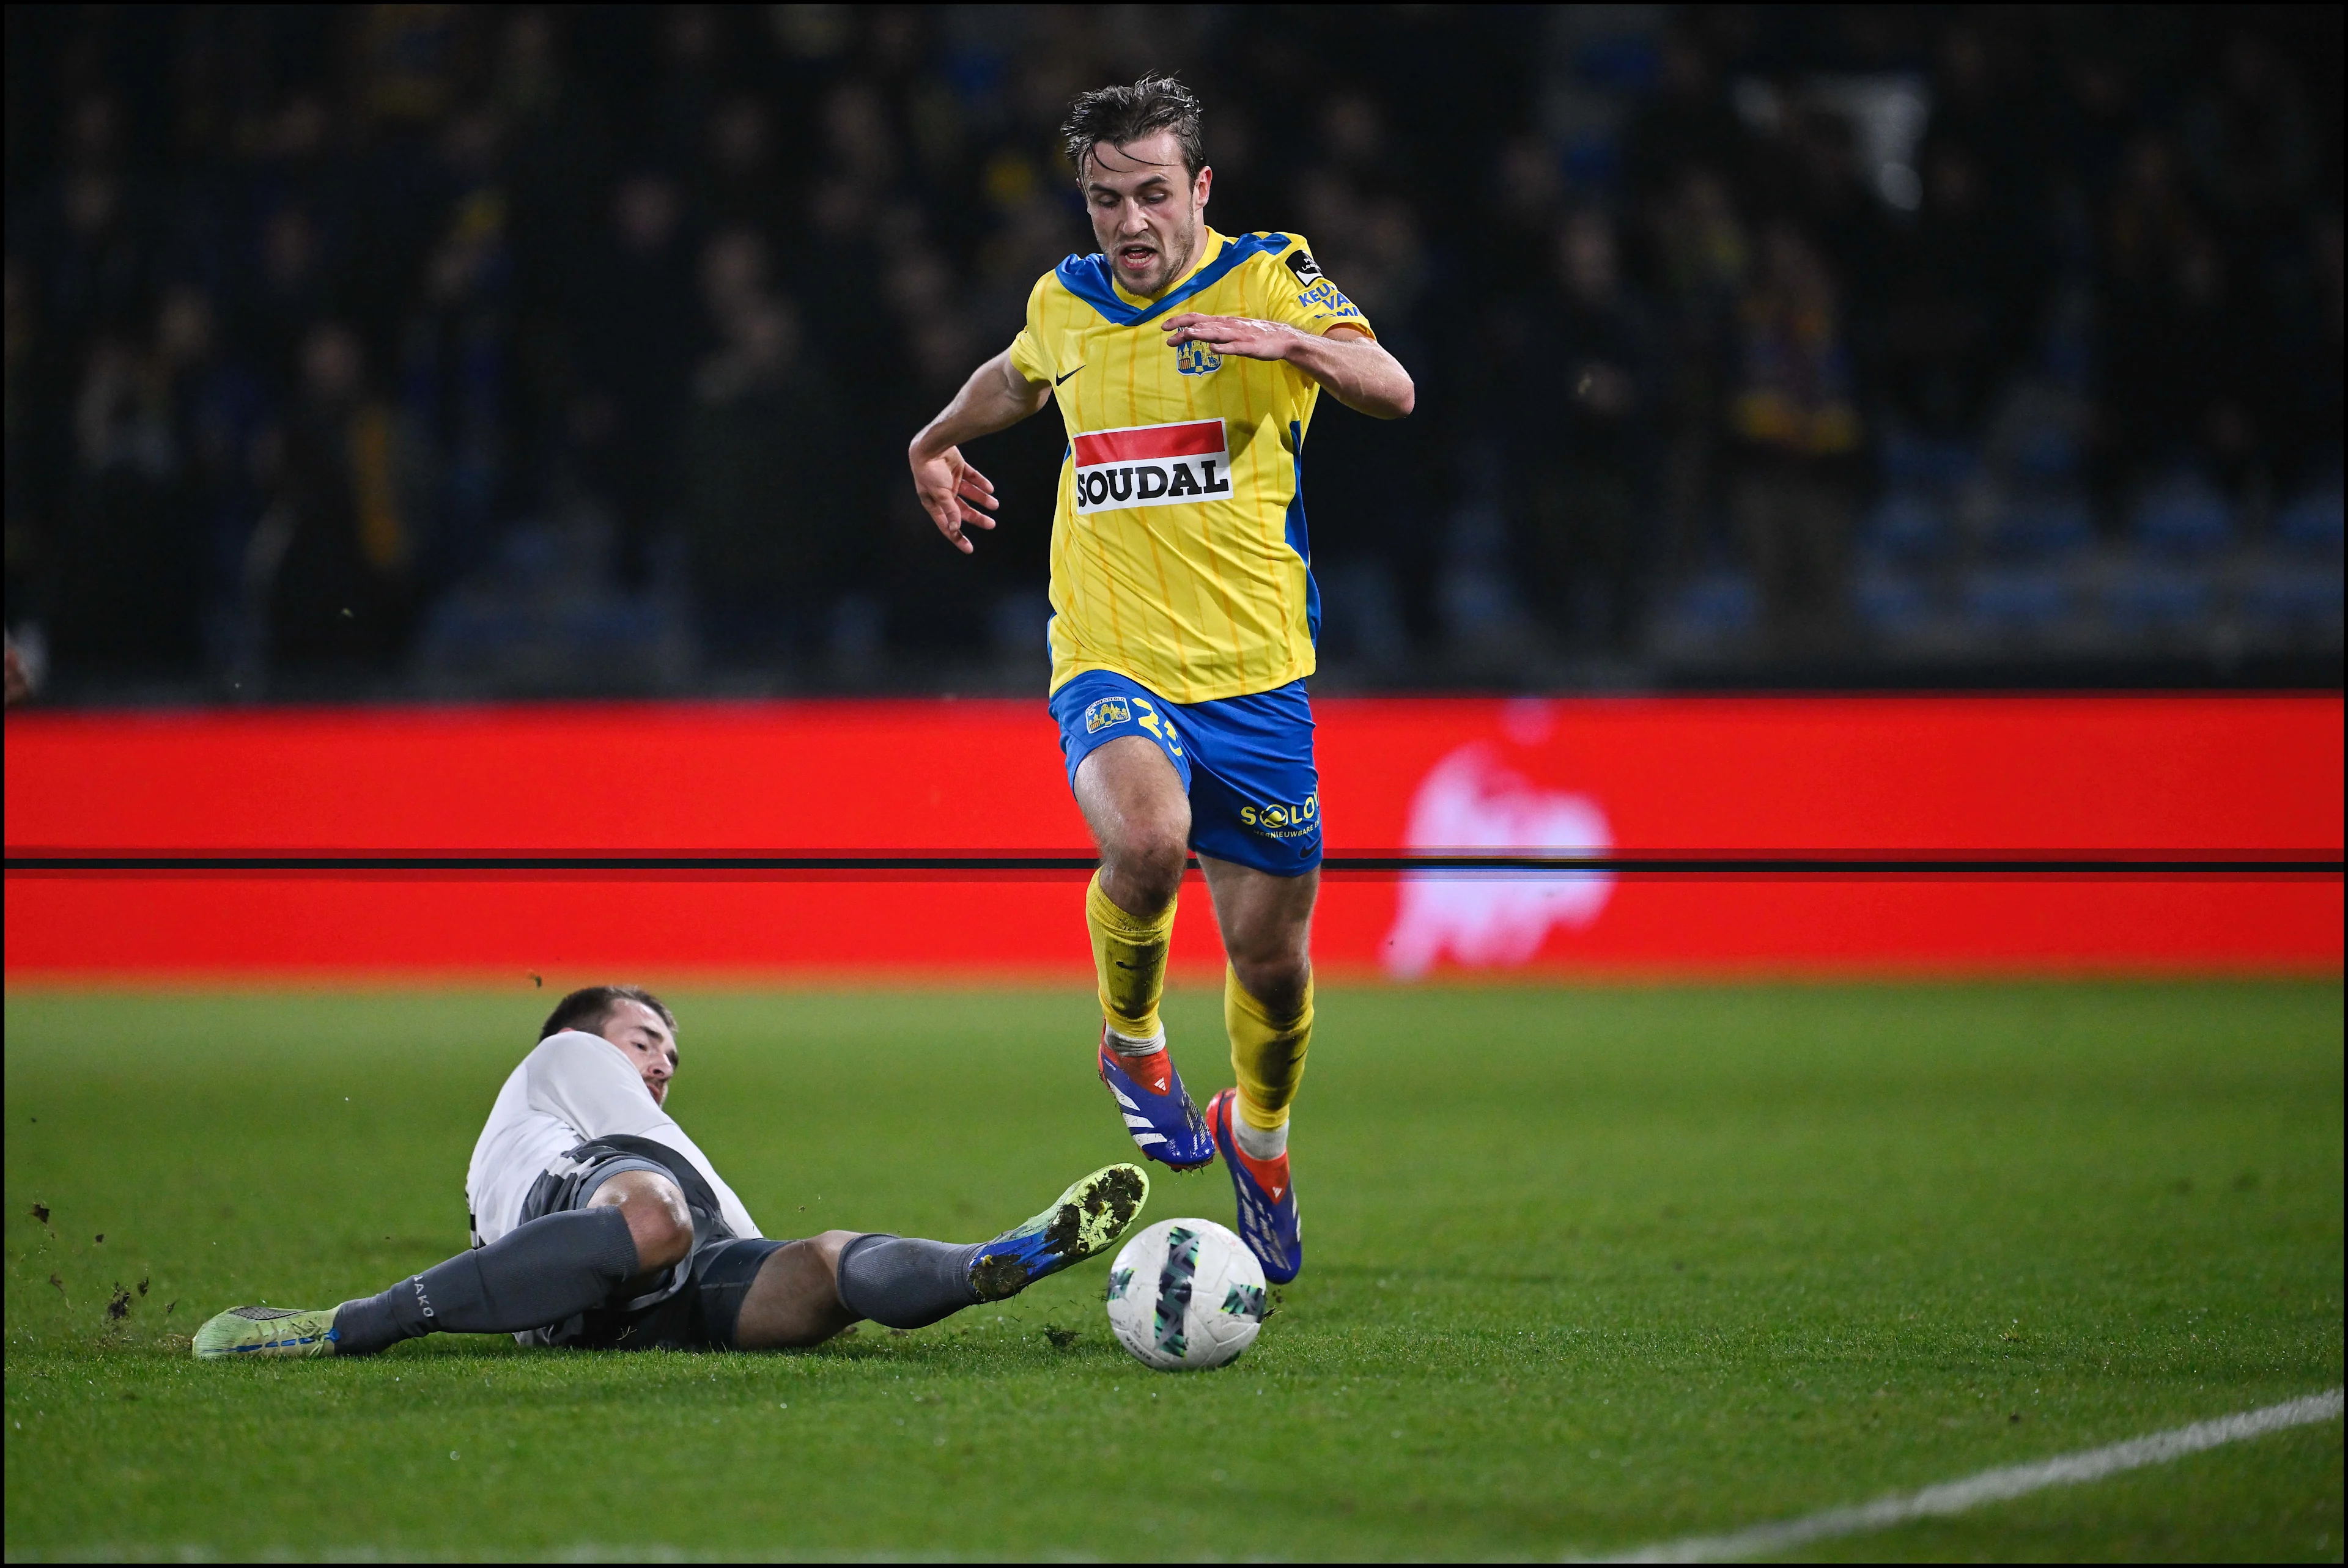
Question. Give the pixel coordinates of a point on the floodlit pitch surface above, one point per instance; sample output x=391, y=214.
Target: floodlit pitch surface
x=1587, y=1269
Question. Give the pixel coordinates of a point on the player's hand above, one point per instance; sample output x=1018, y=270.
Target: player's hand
x=1243, y=335
x=952, y=492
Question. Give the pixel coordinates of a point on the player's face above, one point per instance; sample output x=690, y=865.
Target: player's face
x=1147, y=212
x=646, y=1041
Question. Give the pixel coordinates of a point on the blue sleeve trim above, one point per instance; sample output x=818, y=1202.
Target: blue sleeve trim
x=1087, y=277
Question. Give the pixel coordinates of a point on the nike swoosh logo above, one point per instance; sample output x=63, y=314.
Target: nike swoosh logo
x=1058, y=380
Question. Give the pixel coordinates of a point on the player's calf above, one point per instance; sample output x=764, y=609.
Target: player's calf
x=794, y=1300
x=1134, y=801
x=540, y=1273
x=1269, y=1042
x=907, y=1282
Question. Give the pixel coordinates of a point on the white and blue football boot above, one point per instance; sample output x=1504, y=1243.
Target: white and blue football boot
x=1157, y=1109
x=1267, y=1197
x=1084, y=1220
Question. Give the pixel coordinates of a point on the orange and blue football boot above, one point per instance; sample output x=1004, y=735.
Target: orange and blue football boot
x=1157, y=1109
x=1267, y=1197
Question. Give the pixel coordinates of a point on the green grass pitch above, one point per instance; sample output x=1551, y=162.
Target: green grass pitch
x=1587, y=1268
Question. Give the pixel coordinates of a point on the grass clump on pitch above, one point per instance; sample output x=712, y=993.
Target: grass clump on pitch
x=1585, y=1268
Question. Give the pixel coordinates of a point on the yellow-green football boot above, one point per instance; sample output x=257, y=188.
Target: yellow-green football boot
x=250, y=1331
x=1084, y=1220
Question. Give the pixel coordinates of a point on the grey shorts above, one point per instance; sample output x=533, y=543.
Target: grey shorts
x=694, y=1304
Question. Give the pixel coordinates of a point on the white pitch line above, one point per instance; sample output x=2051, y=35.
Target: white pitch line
x=1990, y=1486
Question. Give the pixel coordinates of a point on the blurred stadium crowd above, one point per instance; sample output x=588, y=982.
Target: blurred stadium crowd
x=437, y=349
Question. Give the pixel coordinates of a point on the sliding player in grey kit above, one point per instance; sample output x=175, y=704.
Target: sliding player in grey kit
x=598, y=1224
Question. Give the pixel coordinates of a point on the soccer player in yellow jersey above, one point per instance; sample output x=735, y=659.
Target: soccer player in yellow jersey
x=1186, y=365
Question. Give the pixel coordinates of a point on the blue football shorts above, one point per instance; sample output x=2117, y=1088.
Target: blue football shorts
x=1245, y=762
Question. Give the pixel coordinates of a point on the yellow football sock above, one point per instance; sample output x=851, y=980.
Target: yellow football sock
x=1267, y=1052
x=1129, y=959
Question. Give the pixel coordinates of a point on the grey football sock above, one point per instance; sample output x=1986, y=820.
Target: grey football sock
x=534, y=1274
x=903, y=1282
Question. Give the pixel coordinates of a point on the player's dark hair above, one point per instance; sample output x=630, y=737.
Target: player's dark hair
x=588, y=1008
x=1121, y=114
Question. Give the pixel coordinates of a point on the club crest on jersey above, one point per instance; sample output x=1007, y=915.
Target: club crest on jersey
x=1196, y=359
x=1106, y=711
x=1152, y=465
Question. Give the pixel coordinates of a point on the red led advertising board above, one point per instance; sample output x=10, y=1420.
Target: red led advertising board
x=1845, y=784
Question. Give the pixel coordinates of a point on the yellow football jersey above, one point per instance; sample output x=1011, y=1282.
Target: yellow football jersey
x=1179, y=556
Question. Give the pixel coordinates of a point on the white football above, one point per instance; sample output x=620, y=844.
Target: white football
x=1185, y=1295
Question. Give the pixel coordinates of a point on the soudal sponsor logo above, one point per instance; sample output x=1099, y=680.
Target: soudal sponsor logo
x=1152, y=466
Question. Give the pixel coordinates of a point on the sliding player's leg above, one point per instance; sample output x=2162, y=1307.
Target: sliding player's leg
x=804, y=1292
x=607, y=1274
x=1267, y=923
x=793, y=1299
x=630, y=1228
x=1130, y=776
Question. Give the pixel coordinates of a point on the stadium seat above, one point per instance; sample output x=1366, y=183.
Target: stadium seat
x=1593, y=156
x=592, y=624
x=1715, y=604
x=2286, y=596
x=2312, y=522
x=1018, y=624
x=2017, y=599
x=2046, y=456
x=2042, y=527
x=1907, y=525
x=2154, y=595
x=1919, y=462
x=1361, y=614
x=1891, y=601
x=2185, y=516
x=466, y=629
x=1627, y=62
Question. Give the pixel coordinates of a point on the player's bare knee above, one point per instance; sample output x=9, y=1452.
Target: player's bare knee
x=659, y=1223
x=828, y=1247
x=663, y=1234
x=1151, y=862
x=1142, y=860
x=1133, y=801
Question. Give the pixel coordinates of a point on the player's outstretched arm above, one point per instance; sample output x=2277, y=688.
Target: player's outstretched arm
x=995, y=398
x=1355, y=366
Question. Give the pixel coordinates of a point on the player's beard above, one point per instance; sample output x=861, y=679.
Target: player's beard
x=1170, y=260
